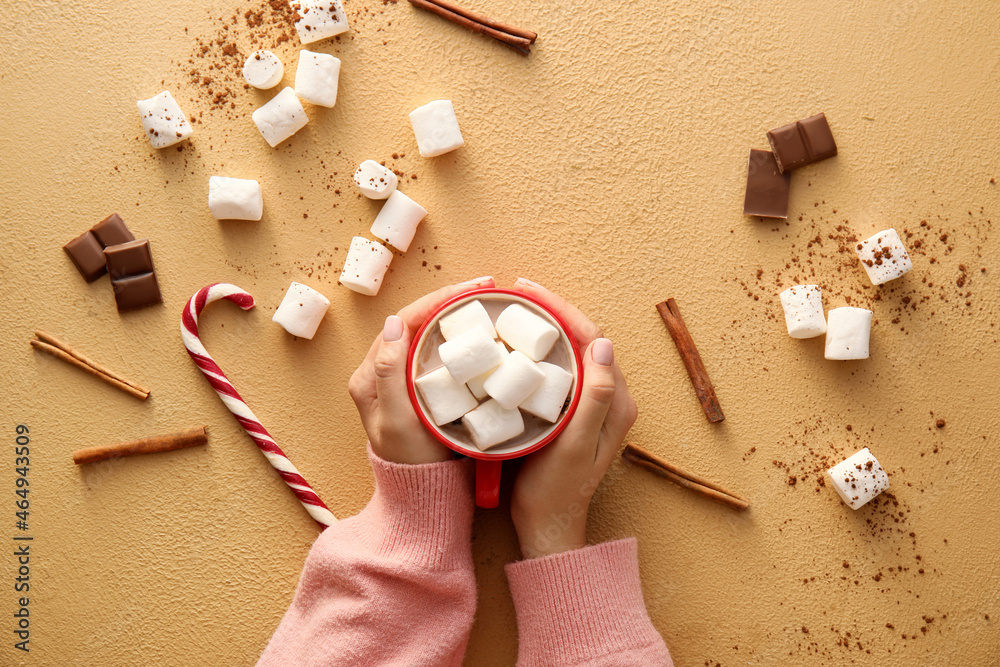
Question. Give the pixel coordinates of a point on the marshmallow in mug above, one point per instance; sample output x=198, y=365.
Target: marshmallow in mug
x=858, y=479
x=317, y=78
x=884, y=256
x=235, y=198
x=803, y=306
x=469, y=316
x=476, y=384
x=374, y=180
x=281, y=117
x=436, y=128
x=490, y=424
x=319, y=19
x=471, y=354
x=445, y=398
x=525, y=331
x=301, y=310
x=365, y=266
x=263, y=70
x=514, y=380
x=163, y=121
x=547, y=401
x=397, y=222
x=847, y=333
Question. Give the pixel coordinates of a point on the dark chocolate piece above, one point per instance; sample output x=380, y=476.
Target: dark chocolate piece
x=129, y=259
x=88, y=256
x=136, y=291
x=802, y=142
x=767, y=187
x=112, y=231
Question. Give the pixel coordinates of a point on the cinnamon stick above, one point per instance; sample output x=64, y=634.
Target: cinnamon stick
x=70, y=359
x=649, y=461
x=52, y=340
x=514, y=37
x=692, y=360
x=162, y=443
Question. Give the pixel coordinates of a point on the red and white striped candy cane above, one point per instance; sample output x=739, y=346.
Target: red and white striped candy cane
x=247, y=419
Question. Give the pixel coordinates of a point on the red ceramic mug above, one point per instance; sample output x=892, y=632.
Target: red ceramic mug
x=423, y=358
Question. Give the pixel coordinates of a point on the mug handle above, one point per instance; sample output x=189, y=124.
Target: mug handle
x=488, y=483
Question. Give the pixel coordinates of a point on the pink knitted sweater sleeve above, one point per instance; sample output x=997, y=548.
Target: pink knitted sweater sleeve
x=584, y=607
x=393, y=585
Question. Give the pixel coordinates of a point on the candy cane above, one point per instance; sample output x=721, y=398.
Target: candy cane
x=247, y=419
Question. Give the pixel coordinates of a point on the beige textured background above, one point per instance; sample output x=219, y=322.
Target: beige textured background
x=609, y=165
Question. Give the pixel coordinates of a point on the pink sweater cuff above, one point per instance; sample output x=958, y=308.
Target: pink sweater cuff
x=424, y=513
x=580, y=605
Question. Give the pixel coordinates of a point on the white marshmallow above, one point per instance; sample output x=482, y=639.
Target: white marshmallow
x=547, y=401
x=476, y=383
x=281, y=117
x=317, y=77
x=884, y=256
x=397, y=222
x=858, y=479
x=365, y=266
x=263, y=70
x=319, y=19
x=525, y=331
x=490, y=424
x=847, y=333
x=301, y=310
x=803, y=305
x=471, y=354
x=436, y=128
x=374, y=180
x=514, y=380
x=235, y=198
x=446, y=399
x=162, y=119
x=469, y=316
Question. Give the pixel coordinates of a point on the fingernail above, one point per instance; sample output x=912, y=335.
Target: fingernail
x=393, y=329
x=525, y=281
x=603, y=352
x=479, y=281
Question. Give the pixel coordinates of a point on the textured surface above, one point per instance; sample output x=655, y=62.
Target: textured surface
x=609, y=165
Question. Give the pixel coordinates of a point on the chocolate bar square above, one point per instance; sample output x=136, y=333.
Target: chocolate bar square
x=112, y=231
x=88, y=256
x=129, y=259
x=767, y=188
x=136, y=291
x=802, y=142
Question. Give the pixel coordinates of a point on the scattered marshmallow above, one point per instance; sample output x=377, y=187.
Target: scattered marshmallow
x=858, y=479
x=884, y=256
x=281, y=117
x=476, y=383
x=319, y=19
x=301, y=310
x=471, y=354
x=490, y=424
x=374, y=180
x=514, y=380
x=317, y=78
x=803, y=306
x=446, y=399
x=365, y=266
x=436, y=128
x=525, y=331
x=263, y=70
x=848, y=332
x=162, y=119
x=235, y=198
x=547, y=401
x=469, y=316
x=397, y=222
